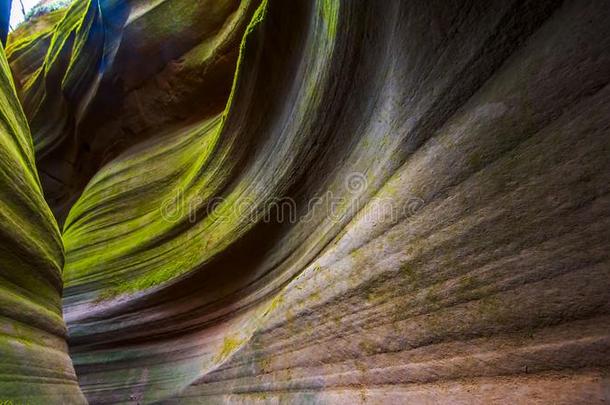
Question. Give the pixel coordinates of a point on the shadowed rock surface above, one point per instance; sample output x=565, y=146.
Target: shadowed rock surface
x=5, y=14
x=103, y=75
x=328, y=201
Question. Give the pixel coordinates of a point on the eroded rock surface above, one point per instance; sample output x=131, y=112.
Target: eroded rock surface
x=103, y=75
x=36, y=367
x=329, y=201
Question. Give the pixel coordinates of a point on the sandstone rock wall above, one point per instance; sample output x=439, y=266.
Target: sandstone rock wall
x=34, y=360
x=330, y=201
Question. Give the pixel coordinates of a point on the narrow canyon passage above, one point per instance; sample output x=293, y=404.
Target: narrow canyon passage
x=306, y=201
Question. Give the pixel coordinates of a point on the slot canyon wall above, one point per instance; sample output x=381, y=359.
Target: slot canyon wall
x=307, y=201
x=33, y=350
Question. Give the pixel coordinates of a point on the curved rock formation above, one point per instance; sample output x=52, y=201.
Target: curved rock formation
x=105, y=75
x=329, y=201
x=33, y=350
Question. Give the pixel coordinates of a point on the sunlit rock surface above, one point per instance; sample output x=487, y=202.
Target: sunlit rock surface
x=323, y=201
x=36, y=367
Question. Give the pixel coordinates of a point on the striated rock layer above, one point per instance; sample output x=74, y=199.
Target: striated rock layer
x=324, y=201
x=34, y=357
x=102, y=75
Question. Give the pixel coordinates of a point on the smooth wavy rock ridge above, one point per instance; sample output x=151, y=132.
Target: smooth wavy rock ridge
x=33, y=352
x=307, y=201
